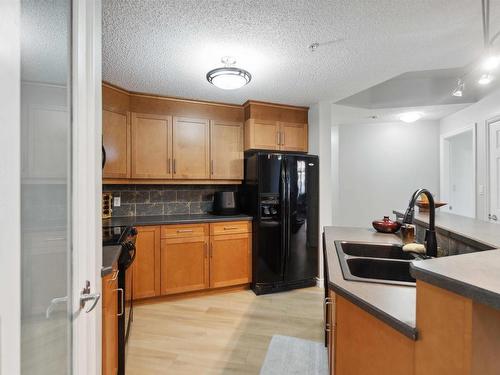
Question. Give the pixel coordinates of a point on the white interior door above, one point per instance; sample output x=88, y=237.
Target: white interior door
x=494, y=173
x=50, y=186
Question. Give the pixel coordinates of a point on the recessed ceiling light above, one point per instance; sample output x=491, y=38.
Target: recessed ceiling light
x=485, y=79
x=228, y=77
x=410, y=117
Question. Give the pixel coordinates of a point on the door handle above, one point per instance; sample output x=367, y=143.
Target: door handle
x=53, y=303
x=278, y=138
x=86, y=296
x=492, y=217
x=169, y=165
x=174, y=168
x=283, y=140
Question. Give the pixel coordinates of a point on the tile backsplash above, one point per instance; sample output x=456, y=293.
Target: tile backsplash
x=150, y=200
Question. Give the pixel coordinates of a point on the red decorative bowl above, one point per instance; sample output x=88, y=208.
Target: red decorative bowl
x=386, y=225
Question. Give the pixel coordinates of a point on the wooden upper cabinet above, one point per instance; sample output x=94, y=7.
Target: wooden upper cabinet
x=293, y=136
x=184, y=264
x=191, y=148
x=116, y=143
x=271, y=126
x=226, y=150
x=151, y=146
x=146, y=265
x=261, y=135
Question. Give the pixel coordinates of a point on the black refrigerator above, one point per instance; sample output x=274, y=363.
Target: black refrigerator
x=281, y=192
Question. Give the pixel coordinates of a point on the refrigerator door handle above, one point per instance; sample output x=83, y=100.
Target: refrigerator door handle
x=283, y=217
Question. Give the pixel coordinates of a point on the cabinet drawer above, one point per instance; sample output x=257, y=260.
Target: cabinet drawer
x=184, y=230
x=230, y=227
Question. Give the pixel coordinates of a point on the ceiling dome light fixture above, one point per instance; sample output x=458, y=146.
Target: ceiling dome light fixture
x=485, y=79
x=410, y=117
x=228, y=77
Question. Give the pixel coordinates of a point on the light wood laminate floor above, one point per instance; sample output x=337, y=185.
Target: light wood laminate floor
x=219, y=334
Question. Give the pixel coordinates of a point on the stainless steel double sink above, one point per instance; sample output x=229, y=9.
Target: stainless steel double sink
x=376, y=263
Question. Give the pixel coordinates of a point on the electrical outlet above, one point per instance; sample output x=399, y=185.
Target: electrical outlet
x=117, y=201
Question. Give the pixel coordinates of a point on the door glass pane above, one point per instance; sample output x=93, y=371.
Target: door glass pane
x=45, y=187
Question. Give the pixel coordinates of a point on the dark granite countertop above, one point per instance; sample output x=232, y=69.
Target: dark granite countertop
x=171, y=219
x=393, y=304
x=110, y=255
x=475, y=276
x=485, y=235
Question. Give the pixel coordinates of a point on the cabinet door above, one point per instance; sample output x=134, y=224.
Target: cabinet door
x=191, y=148
x=109, y=325
x=226, y=150
x=184, y=264
x=262, y=135
x=116, y=143
x=230, y=260
x=331, y=330
x=151, y=146
x=293, y=137
x=146, y=266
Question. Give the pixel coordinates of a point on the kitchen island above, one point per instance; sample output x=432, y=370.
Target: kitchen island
x=449, y=323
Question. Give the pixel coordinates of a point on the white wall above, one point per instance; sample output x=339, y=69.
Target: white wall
x=381, y=165
x=478, y=113
x=321, y=135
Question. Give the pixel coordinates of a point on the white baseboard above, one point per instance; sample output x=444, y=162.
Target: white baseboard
x=320, y=282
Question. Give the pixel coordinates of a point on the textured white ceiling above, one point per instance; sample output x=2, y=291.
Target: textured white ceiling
x=346, y=115
x=166, y=47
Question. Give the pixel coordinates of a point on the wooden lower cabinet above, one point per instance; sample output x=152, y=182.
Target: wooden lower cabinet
x=173, y=259
x=146, y=265
x=184, y=264
x=363, y=344
x=110, y=324
x=230, y=259
x=330, y=306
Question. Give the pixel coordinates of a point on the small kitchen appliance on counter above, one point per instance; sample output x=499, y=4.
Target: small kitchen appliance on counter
x=226, y=203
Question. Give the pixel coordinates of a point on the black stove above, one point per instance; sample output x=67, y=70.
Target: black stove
x=115, y=235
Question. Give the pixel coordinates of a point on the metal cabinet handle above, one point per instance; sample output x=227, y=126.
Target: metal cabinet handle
x=283, y=140
x=122, y=304
x=278, y=138
x=212, y=166
x=184, y=230
x=328, y=301
x=115, y=276
x=174, y=168
x=169, y=165
x=211, y=250
x=230, y=228
x=205, y=249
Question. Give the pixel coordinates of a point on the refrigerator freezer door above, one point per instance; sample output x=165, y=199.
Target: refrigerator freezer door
x=269, y=251
x=302, y=217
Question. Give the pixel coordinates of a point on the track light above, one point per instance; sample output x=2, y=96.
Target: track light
x=459, y=90
x=485, y=79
